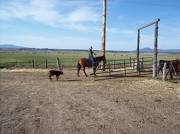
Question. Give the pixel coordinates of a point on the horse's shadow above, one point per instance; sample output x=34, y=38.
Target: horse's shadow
x=71, y=80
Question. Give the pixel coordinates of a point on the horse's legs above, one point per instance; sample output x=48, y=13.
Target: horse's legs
x=84, y=71
x=78, y=69
x=94, y=71
x=159, y=69
x=171, y=72
x=50, y=77
x=57, y=77
x=171, y=75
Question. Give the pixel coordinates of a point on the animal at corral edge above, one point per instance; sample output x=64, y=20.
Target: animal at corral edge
x=55, y=72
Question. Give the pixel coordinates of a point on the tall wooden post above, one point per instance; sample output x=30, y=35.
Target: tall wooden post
x=33, y=63
x=104, y=30
x=142, y=64
x=138, y=42
x=46, y=63
x=124, y=67
x=130, y=62
x=58, y=63
x=155, y=46
x=155, y=50
x=164, y=72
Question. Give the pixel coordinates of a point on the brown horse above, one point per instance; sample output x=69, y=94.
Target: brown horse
x=84, y=62
x=161, y=65
x=174, y=68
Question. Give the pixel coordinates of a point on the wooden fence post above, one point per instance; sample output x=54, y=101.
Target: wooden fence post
x=130, y=62
x=33, y=63
x=133, y=63
x=16, y=63
x=114, y=64
x=164, y=72
x=138, y=43
x=109, y=66
x=125, y=67
x=139, y=72
x=58, y=63
x=46, y=63
x=104, y=2
x=142, y=64
x=155, y=50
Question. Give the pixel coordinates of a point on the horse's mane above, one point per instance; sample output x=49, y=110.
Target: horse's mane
x=99, y=58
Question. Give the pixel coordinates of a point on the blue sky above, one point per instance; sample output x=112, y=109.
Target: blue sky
x=77, y=24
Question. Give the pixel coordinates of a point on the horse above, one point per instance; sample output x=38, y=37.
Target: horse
x=174, y=68
x=55, y=72
x=84, y=62
x=161, y=65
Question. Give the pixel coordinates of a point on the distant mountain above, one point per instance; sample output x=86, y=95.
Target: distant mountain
x=146, y=50
x=10, y=46
x=150, y=50
x=169, y=50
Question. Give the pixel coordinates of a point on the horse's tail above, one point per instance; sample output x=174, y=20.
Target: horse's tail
x=78, y=65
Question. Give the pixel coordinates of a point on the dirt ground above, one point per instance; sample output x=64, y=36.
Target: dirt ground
x=32, y=104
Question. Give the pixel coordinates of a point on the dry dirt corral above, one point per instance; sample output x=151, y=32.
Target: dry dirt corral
x=32, y=104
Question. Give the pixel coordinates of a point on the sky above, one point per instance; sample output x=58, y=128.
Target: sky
x=77, y=24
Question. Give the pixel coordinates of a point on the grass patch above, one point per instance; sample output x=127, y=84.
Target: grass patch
x=23, y=59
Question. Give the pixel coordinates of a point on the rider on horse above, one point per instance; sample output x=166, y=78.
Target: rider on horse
x=91, y=54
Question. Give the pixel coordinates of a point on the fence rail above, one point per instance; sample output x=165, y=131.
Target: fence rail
x=36, y=63
x=46, y=63
x=126, y=66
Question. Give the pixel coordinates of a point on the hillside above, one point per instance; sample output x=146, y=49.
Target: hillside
x=9, y=47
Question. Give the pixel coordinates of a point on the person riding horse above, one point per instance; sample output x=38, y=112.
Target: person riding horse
x=91, y=55
x=91, y=61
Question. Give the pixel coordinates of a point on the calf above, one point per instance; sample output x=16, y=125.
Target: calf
x=55, y=72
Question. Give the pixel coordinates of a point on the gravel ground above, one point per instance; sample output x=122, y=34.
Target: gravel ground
x=32, y=104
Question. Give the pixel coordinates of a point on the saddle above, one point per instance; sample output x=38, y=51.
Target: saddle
x=89, y=61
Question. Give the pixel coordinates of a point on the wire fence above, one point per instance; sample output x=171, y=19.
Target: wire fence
x=55, y=63
x=38, y=63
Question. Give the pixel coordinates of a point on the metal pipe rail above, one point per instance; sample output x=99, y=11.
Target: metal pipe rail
x=152, y=23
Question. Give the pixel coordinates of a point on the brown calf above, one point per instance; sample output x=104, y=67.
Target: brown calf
x=55, y=72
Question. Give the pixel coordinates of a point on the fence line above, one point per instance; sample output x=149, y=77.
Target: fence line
x=37, y=63
x=126, y=66
x=46, y=63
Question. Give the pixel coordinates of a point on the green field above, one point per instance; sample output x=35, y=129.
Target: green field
x=23, y=59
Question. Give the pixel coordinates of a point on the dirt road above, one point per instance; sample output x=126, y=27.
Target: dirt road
x=32, y=104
